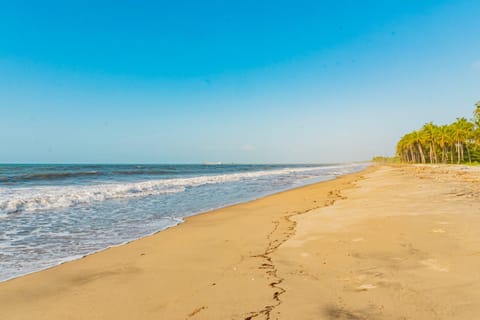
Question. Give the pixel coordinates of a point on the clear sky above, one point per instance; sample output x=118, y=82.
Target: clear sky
x=233, y=81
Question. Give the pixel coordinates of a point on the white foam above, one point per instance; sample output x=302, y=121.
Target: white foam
x=30, y=199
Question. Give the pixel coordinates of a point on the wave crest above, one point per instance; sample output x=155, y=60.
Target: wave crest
x=13, y=200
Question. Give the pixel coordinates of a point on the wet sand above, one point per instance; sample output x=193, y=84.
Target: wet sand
x=387, y=243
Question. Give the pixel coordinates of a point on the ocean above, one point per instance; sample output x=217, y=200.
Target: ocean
x=50, y=214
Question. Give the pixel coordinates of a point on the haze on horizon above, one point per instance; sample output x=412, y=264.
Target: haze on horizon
x=236, y=81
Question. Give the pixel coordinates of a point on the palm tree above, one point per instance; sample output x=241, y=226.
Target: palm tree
x=449, y=141
x=462, y=134
x=406, y=148
x=443, y=140
x=418, y=140
x=429, y=133
x=476, y=114
x=410, y=140
x=457, y=132
x=401, y=150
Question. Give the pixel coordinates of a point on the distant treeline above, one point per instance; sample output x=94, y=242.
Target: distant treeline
x=382, y=159
x=458, y=142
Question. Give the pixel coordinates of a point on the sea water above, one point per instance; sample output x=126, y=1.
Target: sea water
x=50, y=214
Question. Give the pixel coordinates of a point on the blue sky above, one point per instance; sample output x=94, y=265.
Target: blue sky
x=232, y=81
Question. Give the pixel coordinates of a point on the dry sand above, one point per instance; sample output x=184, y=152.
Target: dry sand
x=387, y=243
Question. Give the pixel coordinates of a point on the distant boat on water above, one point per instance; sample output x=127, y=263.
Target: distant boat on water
x=210, y=163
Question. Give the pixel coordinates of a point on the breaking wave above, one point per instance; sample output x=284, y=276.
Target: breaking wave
x=30, y=199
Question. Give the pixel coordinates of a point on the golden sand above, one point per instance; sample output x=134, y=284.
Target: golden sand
x=386, y=243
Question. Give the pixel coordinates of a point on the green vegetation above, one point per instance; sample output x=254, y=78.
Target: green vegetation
x=458, y=142
x=382, y=159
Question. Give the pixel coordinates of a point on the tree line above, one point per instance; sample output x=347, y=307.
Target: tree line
x=458, y=142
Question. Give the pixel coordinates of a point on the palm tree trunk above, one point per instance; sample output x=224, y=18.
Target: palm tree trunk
x=459, y=153
x=422, y=155
x=460, y=147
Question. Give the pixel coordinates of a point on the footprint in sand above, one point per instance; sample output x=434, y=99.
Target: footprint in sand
x=438, y=231
x=432, y=264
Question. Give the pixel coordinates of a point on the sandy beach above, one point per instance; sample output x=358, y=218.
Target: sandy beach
x=390, y=242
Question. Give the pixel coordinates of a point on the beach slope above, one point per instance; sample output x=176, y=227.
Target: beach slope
x=385, y=243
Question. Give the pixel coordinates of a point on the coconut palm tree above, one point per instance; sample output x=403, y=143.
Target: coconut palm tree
x=444, y=140
x=462, y=134
x=448, y=141
x=418, y=139
x=429, y=133
x=411, y=148
x=476, y=114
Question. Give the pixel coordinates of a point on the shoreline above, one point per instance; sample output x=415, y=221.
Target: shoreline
x=183, y=220
x=79, y=257
x=385, y=242
x=237, y=247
